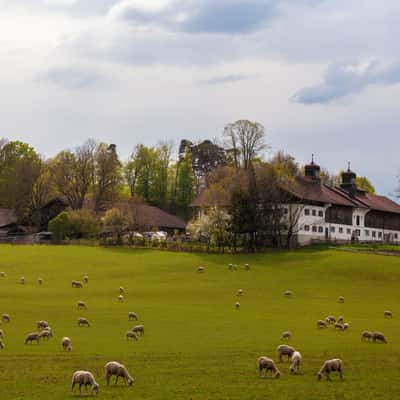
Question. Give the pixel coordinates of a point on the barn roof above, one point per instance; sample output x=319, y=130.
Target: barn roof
x=7, y=217
x=156, y=217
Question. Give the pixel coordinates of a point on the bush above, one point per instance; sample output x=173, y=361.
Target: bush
x=83, y=224
x=59, y=226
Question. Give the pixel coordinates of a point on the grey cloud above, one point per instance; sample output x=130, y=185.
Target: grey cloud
x=342, y=80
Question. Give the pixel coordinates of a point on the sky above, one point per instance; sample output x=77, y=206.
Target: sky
x=322, y=76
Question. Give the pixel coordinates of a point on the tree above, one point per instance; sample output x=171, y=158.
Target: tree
x=245, y=141
x=185, y=186
x=114, y=221
x=365, y=184
x=59, y=226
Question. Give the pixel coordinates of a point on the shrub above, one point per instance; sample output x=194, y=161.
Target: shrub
x=84, y=224
x=59, y=226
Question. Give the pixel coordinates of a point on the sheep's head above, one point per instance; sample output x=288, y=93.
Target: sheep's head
x=277, y=373
x=130, y=381
x=95, y=388
x=319, y=376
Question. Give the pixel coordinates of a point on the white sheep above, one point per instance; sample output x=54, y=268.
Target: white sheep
x=2, y=274
x=346, y=326
x=121, y=290
x=81, y=305
x=131, y=335
x=339, y=326
x=22, y=280
x=239, y=292
x=266, y=364
x=237, y=305
x=296, y=360
x=388, y=314
x=119, y=370
x=340, y=320
x=286, y=335
x=46, y=334
x=335, y=365
x=42, y=324
x=5, y=318
x=132, y=316
x=121, y=298
x=84, y=378
x=83, y=322
x=40, y=281
x=285, y=350
x=330, y=319
x=66, y=343
x=86, y=279
x=321, y=324
x=378, y=337
x=139, y=329
x=77, y=284
x=288, y=293
x=247, y=267
x=366, y=336
x=341, y=299
x=35, y=336
x=200, y=269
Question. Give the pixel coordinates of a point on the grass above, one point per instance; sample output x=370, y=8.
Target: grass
x=196, y=345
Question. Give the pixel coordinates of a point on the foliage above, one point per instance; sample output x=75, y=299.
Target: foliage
x=365, y=184
x=83, y=224
x=185, y=186
x=60, y=226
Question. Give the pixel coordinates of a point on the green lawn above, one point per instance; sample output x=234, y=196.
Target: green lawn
x=196, y=344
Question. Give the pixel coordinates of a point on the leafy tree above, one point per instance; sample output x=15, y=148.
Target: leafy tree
x=365, y=184
x=185, y=186
x=114, y=220
x=59, y=226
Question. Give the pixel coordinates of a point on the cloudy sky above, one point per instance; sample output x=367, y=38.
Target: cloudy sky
x=323, y=76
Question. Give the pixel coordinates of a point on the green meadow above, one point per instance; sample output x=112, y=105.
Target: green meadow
x=196, y=344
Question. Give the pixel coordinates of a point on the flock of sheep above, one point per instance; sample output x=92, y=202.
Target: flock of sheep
x=81, y=378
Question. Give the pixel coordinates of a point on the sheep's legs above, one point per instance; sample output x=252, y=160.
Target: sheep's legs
x=340, y=374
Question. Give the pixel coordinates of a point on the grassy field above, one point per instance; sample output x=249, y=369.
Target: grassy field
x=197, y=345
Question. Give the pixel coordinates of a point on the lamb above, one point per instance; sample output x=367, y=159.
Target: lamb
x=388, y=314
x=335, y=365
x=81, y=305
x=121, y=298
x=22, y=280
x=288, y=293
x=46, y=334
x=339, y=326
x=265, y=364
x=366, y=336
x=139, y=329
x=296, y=360
x=86, y=279
x=346, y=326
x=132, y=316
x=341, y=299
x=42, y=324
x=285, y=350
x=121, y=290
x=378, y=337
x=83, y=322
x=84, y=378
x=40, y=281
x=340, y=320
x=247, y=267
x=239, y=292
x=119, y=370
x=77, y=284
x=286, y=335
x=321, y=324
x=330, y=319
x=131, y=335
x=31, y=337
x=66, y=344
x=237, y=305
x=200, y=269
x=5, y=318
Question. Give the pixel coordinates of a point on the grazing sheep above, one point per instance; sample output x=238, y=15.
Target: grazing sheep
x=22, y=280
x=285, y=350
x=239, y=292
x=1, y=333
x=346, y=326
x=366, y=336
x=121, y=298
x=286, y=335
x=265, y=364
x=84, y=378
x=339, y=326
x=340, y=320
x=31, y=337
x=296, y=360
x=335, y=365
x=321, y=324
x=237, y=305
x=330, y=319
x=46, y=334
x=81, y=305
x=200, y=269
x=77, y=284
x=42, y=324
x=378, y=337
x=388, y=314
x=66, y=344
x=230, y=267
x=132, y=316
x=119, y=370
x=40, y=281
x=86, y=279
x=2, y=274
x=121, y=290
x=247, y=267
x=288, y=293
x=341, y=299
x=5, y=318
x=139, y=329
x=49, y=330
x=131, y=335
x=83, y=322
x=1, y=344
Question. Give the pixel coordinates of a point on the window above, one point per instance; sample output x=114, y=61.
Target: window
x=320, y=229
x=307, y=211
x=332, y=229
x=358, y=220
x=366, y=232
x=373, y=234
x=314, y=213
x=314, y=228
x=348, y=231
x=320, y=213
x=380, y=235
x=396, y=236
x=340, y=230
x=306, y=228
x=285, y=211
x=357, y=232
